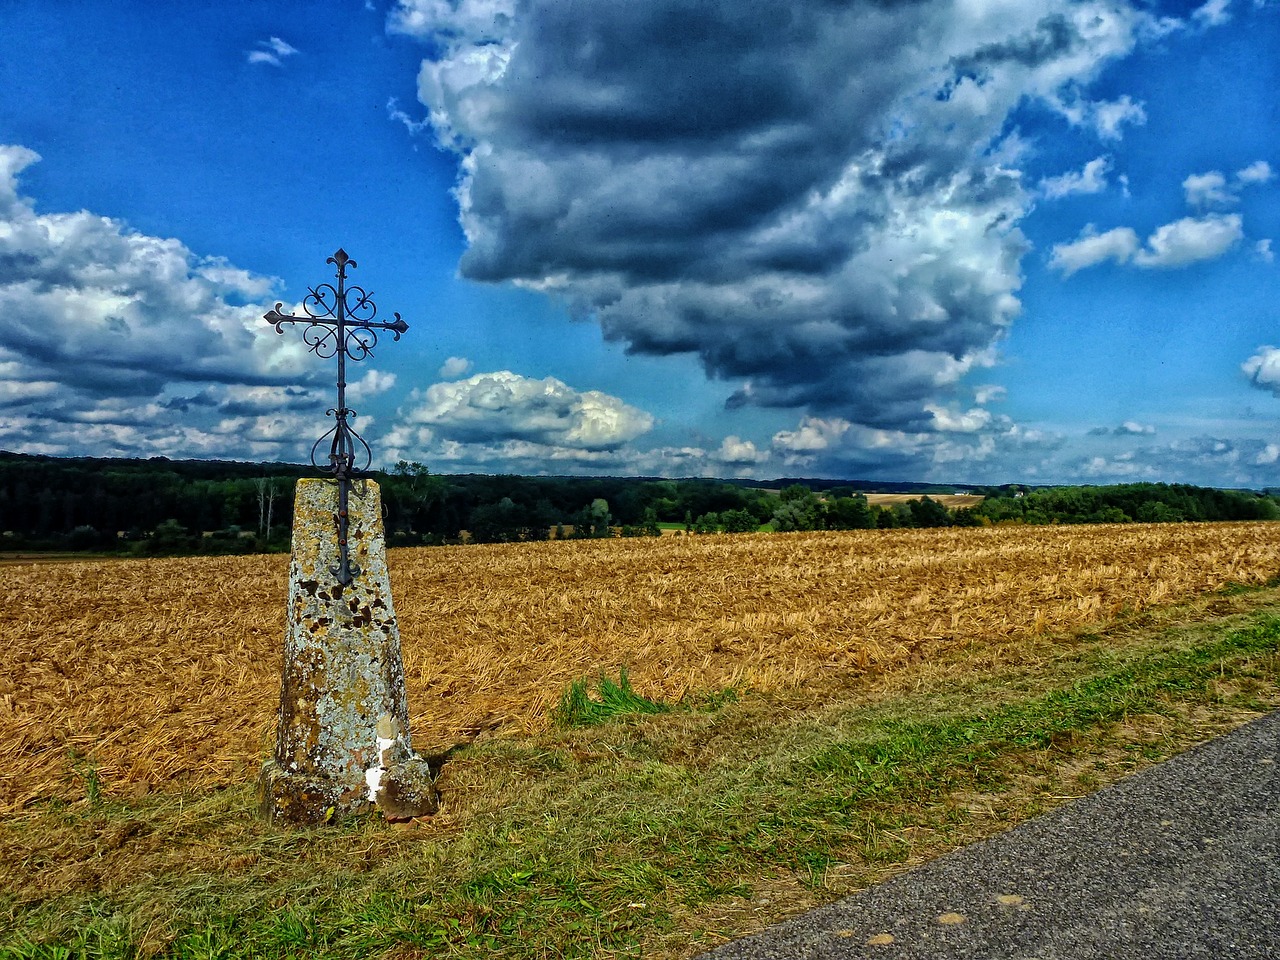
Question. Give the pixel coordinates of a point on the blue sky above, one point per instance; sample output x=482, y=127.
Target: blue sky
x=965, y=241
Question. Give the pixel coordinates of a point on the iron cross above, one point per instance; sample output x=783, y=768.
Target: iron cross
x=340, y=323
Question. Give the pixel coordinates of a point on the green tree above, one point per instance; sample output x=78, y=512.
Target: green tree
x=797, y=512
x=168, y=538
x=707, y=523
x=594, y=520
x=739, y=521
x=927, y=512
x=849, y=513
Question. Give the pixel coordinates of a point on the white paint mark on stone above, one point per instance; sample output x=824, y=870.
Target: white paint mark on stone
x=386, y=757
x=373, y=777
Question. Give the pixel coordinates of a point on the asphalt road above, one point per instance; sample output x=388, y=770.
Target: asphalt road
x=1179, y=860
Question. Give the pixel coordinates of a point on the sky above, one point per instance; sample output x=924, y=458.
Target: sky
x=953, y=241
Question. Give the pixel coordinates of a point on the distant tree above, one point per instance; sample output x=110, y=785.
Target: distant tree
x=970, y=518
x=506, y=522
x=707, y=523
x=927, y=512
x=650, y=524
x=849, y=513
x=87, y=538
x=1111, y=515
x=886, y=519
x=593, y=520
x=739, y=521
x=169, y=537
x=798, y=509
x=267, y=493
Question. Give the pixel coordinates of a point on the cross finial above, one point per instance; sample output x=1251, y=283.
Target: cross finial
x=340, y=323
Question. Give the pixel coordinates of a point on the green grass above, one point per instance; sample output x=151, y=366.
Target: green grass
x=623, y=838
x=578, y=708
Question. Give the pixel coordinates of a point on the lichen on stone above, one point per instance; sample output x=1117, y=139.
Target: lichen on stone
x=343, y=673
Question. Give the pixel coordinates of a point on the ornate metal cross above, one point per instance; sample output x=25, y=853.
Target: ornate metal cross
x=340, y=323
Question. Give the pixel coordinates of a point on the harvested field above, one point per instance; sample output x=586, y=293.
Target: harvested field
x=137, y=675
x=952, y=501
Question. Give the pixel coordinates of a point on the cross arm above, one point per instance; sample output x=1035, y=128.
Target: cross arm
x=278, y=320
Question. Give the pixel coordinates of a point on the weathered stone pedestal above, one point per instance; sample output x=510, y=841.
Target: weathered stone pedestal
x=342, y=739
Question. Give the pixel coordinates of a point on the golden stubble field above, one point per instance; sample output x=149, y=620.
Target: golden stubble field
x=164, y=674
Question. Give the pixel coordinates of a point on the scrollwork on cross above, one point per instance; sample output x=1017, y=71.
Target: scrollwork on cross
x=340, y=322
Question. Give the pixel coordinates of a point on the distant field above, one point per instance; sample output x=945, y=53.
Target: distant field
x=9, y=558
x=952, y=501
x=163, y=674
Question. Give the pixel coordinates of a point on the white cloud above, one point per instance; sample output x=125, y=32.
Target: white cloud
x=1262, y=251
x=1263, y=369
x=1131, y=428
x=771, y=220
x=1207, y=460
x=1110, y=117
x=113, y=342
x=13, y=160
x=1190, y=240
x=737, y=452
x=1178, y=244
x=225, y=421
x=107, y=308
x=1122, y=467
x=504, y=408
x=457, y=22
x=1092, y=179
x=969, y=445
x=1092, y=248
x=954, y=421
x=1203, y=189
x=272, y=51
x=1257, y=172
x=371, y=384
x=455, y=367
x=989, y=394
x=813, y=435
x=1213, y=13
x=1107, y=118
x=397, y=113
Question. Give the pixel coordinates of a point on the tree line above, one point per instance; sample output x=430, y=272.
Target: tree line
x=161, y=506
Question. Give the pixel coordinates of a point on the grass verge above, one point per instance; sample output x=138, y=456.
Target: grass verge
x=660, y=834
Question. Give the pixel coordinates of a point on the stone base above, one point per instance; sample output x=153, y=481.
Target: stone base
x=406, y=790
x=306, y=800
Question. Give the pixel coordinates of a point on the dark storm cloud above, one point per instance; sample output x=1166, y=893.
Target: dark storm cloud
x=811, y=196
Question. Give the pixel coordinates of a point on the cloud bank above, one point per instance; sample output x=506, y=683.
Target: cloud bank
x=117, y=343
x=503, y=416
